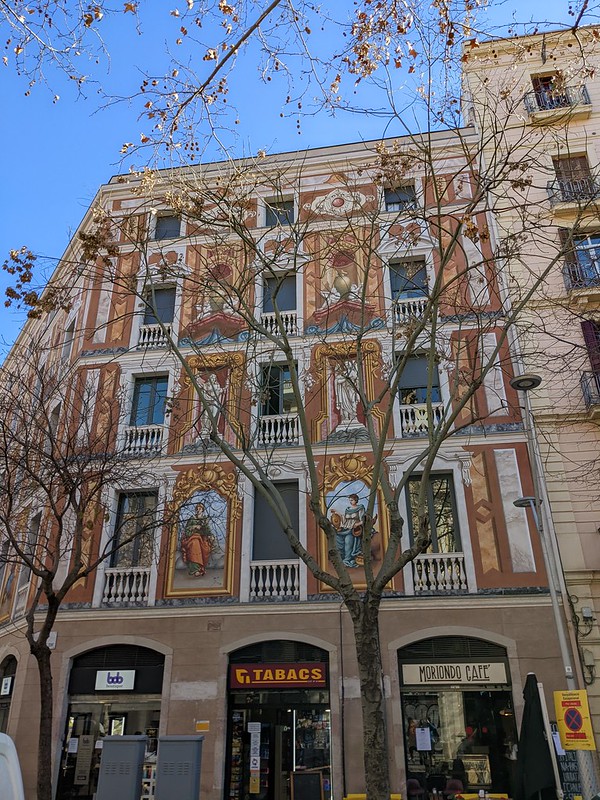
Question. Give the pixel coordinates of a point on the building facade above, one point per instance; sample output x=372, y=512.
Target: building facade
x=206, y=619
x=547, y=99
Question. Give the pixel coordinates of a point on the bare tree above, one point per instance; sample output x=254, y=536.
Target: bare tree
x=59, y=456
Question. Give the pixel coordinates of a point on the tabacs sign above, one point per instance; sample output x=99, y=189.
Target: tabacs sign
x=114, y=680
x=275, y=676
x=479, y=673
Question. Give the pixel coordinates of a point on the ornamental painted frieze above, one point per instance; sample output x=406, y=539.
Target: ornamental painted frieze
x=338, y=203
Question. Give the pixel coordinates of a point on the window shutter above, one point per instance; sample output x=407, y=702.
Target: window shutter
x=591, y=336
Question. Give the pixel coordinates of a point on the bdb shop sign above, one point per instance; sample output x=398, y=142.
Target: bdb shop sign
x=114, y=680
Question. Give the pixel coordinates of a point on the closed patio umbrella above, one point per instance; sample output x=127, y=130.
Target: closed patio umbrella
x=535, y=771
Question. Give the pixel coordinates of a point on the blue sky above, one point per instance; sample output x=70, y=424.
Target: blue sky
x=57, y=154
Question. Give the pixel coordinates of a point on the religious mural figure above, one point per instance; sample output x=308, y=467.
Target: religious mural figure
x=346, y=396
x=197, y=542
x=201, y=542
x=347, y=514
x=213, y=393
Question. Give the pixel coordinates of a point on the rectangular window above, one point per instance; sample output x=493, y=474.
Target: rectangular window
x=29, y=547
x=572, y=168
x=442, y=524
x=269, y=540
x=133, y=536
x=549, y=92
x=168, y=226
x=408, y=278
x=160, y=306
x=149, y=399
x=402, y=198
x=279, y=212
x=280, y=290
x=591, y=336
x=68, y=342
x=412, y=386
x=277, y=393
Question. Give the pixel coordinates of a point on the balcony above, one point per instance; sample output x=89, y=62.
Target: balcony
x=549, y=104
x=581, y=276
x=439, y=572
x=278, y=429
x=126, y=586
x=413, y=418
x=289, y=322
x=274, y=580
x=145, y=440
x=590, y=386
x=567, y=195
x=154, y=337
x=406, y=309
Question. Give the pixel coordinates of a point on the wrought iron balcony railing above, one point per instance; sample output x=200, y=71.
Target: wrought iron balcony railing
x=573, y=190
x=555, y=99
x=590, y=386
x=581, y=276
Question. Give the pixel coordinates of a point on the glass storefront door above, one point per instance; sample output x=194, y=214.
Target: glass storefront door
x=295, y=735
x=88, y=722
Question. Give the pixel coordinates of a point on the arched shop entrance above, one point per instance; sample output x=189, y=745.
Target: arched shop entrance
x=457, y=708
x=8, y=669
x=278, y=719
x=113, y=691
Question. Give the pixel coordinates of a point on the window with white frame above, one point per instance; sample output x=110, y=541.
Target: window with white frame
x=279, y=212
x=149, y=401
x=168, y=226
x=408, y=278
x=132, y=541
x=160, y=305
x=277, y=394
x=400, y=198
x=269, y=541
x=419, y=382
x=29, y=549
x=280, y=290
x=441, y=518
x=67, y=346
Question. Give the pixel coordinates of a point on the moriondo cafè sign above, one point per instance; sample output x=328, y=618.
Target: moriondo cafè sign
x=478, y=673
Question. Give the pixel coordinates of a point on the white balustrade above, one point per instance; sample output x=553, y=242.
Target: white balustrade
x=289, y=323
x=273, y=579
x=143, y=440
x=439, y=572
x=278, y=429
x=407, y=308
x=153, y=337
x=126, y=585
x=413, y=418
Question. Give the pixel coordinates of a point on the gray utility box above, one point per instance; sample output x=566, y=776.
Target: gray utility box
x=178, y=768
x=121, y=768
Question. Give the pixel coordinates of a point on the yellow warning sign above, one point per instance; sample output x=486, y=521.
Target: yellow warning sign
x=573, y=720
x=202, y=725
x=254, y=787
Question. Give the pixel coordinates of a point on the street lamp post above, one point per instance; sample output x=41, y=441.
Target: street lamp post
x=525, y=383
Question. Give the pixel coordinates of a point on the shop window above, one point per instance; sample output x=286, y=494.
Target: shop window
x=280, y=290
x=168, y=226
x=440, y=505
x=160, y=305
x=402, y=198
x=413, y=383
x=458, y=714
x=133, y=537
x=277, y=393
x=408, y=278
x=8, y=669
x=149, y=401
x=279, y=212
x=269, y=542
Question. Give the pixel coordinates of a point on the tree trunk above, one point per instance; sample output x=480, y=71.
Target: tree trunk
x=41, y=653
x=365, y=617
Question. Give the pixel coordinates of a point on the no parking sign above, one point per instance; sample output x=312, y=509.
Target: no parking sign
x=573, y=720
